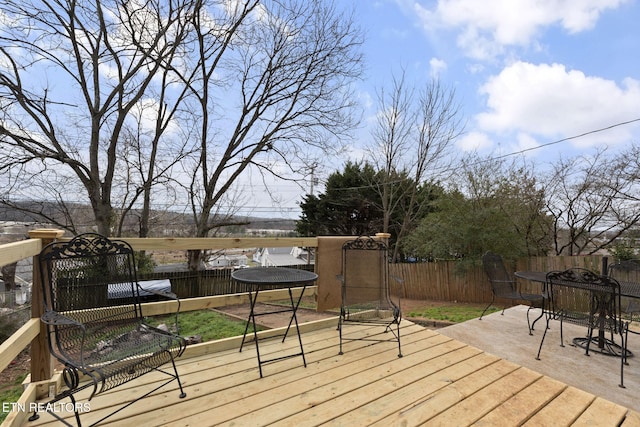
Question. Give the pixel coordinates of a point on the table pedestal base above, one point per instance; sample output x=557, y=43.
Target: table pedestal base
x=602, y=346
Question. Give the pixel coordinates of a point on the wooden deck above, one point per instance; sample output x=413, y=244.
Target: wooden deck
x=439, y=381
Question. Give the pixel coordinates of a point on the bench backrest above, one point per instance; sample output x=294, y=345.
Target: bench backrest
x=91, y=279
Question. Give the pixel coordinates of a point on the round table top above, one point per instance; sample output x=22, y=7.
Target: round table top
x=273, y=275
x=534, y=276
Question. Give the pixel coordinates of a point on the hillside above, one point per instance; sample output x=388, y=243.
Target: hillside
x=23, y=216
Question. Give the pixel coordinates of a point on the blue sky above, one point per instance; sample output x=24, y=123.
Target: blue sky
x=526, y=72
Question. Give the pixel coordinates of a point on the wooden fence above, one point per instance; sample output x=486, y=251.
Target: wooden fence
x=445, y=281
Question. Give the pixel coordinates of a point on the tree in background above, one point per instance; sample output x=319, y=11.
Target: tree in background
x=412, y=141
x=115, y=103
x=348, y=207
x=495, y=206
x=271, y=90
x=72, y=76
x=593, y=200
x=312, y=221
x=351, y=205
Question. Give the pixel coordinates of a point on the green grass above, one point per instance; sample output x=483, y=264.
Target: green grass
x=451, y=313
x=11, y=393
x=206, y=323
x=306, y=302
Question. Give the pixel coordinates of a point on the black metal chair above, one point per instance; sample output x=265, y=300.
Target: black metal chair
x=365, y=295
x=588, y=299
x=628, y=271
x=503, y=286
x=94, y=319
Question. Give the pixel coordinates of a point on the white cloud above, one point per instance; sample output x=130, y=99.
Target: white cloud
x=438, y=66
x=474, y=141
x=553, y=102
x=487, y=27
x=526, y=142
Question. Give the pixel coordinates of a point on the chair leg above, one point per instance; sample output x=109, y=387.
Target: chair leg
x=623, y=358
x=626, y=338
x=537, y=318
x=544, y=334
x=589, y=338
x=175, y=369
x=398, y=336
x=528, y=322
x=340, y=333
x=487, y=307
x=74, y=405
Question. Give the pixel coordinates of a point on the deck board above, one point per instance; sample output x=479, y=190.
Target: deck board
x=601, y=409
x=519, y=408
x=439, y=381
x=563, y=410
x=483, y=401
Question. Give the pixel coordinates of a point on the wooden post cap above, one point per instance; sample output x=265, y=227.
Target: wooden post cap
x=46, y=233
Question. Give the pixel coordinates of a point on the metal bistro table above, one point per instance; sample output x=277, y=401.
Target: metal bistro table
x=605, y=346
x=260, y=277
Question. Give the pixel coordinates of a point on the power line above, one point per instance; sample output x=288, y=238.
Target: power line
x=591, y=132
x=449, y=169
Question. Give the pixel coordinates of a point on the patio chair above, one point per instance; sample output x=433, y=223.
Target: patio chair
x=628, y=271
x=94, y=321
x=503, y=286
x=365, y=296
x=588, y=299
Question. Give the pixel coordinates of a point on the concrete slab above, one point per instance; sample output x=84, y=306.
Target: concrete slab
x=507, y=336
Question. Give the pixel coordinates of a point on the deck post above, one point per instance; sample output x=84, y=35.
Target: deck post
x=328, y=267
x=41, y=360
x=384, y=237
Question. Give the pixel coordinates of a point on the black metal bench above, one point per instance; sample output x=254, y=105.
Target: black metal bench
x=102, y=340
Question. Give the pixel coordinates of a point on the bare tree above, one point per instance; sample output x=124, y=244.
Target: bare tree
x=593, y=201
x=70, y=75
x=271, y=91
x=96, y=95
x=413, y=137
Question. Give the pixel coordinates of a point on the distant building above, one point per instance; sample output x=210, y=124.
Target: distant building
x=227, y=260
x=281, y=257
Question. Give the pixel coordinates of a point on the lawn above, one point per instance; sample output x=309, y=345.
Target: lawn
x=11, y=393
x=454, y=313
x=208, y=324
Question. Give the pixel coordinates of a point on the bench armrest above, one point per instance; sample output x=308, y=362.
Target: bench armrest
x=51, y=317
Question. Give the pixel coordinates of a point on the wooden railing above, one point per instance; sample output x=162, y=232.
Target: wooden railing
x=436, y=281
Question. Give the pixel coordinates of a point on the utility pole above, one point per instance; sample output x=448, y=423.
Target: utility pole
x=313, y=181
